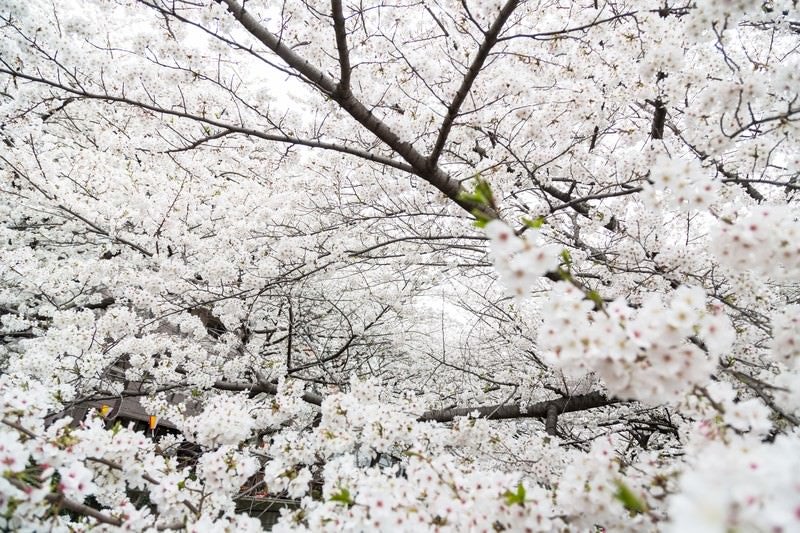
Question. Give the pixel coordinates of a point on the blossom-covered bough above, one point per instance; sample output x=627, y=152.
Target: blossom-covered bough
x=449, y=265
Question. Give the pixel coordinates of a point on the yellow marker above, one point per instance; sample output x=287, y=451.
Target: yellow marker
x=105, y=409
x=153, y=422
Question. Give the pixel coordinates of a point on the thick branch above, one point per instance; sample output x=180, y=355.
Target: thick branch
x=551, y=420
x=355, y=108
x=538, y=410
x=341, y=44
x=659, y=116
x=309, y=71
x=268, y=388
x=63, y=502
x=489, y=41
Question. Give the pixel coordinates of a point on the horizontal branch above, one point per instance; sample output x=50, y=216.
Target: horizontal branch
x=230, y=128
x=421, y=238
x=566, y=404
x=267, y=388
x=556, y=34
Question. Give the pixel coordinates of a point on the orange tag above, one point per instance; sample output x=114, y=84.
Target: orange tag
x=153, y=422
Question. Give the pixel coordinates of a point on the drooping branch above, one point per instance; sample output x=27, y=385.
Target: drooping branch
x=228, y=128
x=567, y=404
x=92, y=226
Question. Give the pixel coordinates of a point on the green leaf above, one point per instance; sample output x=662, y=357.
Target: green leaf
x=566, y=257
x=483, y=190
x=516, y=497
x=481, y=195
x=536, y=223
x=629, y=499
x=596, y=298
x=480, y=223
x=481, y=200
x=480, y=219
x=469, y=197
x=343, y=497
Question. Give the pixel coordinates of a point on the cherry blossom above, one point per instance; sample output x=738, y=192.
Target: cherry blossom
x=399, y=266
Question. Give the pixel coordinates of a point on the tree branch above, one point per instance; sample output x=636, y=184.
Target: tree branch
x=93, y=228
x=341, y=45
x=268, y=388
x=556, y=34
x=216, y=123
x=489, y=41
x=552, y=408
x=58, y=498
x=314, y=76
x=566, y=404
x=551, y=419
x=356, y=109
x=62, y=501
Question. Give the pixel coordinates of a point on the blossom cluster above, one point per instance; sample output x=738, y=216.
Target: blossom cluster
x=427, y=494
x=786, y=336
x=644, y=353
x=685, y=183
x=743, y=415
x=41, y=464
x=384, y=471
x=738, y=482
x=223, y=420
x=766, y=241
x=520, y=260
x=589, y=490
